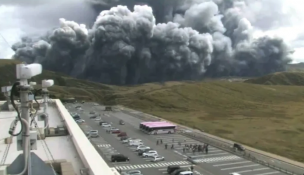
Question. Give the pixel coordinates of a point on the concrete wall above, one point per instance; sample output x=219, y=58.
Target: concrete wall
x=88, y=154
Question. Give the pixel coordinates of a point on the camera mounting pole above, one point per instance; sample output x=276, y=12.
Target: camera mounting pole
x=25, y=72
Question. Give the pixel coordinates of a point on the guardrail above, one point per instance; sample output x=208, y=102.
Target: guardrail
x=88, y=154
x=227, y=145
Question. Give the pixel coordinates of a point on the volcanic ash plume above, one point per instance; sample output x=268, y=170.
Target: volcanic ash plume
x=201, y=38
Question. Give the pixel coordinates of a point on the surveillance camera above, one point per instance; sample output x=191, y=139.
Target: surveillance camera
x=33, y=83
x=28, y=71
x=47, y=83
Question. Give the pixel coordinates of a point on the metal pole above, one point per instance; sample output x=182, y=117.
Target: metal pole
x=45, y=101
x=24, y=98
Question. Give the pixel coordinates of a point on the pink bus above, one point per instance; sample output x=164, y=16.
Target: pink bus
x=158, y=127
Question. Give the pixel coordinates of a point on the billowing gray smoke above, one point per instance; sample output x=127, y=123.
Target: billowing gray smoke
x=197, y=38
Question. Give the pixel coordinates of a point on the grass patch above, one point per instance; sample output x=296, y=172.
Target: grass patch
x=280, y=78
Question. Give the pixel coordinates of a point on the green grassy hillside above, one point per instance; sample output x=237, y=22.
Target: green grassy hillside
x=299, y=67
x=280, y=78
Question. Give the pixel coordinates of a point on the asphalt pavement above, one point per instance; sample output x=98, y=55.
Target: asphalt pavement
x=216, y=162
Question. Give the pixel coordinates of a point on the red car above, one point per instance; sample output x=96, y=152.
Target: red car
x=115, y=131
x=122, y=134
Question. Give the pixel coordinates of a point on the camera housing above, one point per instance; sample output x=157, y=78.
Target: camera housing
x=24, y=71
x=47, y=83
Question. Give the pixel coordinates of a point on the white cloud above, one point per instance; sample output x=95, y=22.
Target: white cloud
x=9, y=30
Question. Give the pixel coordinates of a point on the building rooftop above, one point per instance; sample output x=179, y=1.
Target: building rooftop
x=60, y=147
x=60, y=150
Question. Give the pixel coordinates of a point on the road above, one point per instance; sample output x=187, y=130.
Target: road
x=216, y=162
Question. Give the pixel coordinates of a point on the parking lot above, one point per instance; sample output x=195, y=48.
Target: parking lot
x=215, y=162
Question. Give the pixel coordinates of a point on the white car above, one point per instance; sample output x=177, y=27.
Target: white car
x=111, y=129
x=106, y=125
x=98, y=119
x=142, y=147
x=127, y=140
x=135, y=140
x=136, y=144
x=132, y=172
x=234, y=174
x=150, y=153
x=186, y=173
x=80, y=121
x=157, y=158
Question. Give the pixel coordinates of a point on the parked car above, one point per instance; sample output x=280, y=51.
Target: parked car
x=93, y=116
x=132, y=172
x=106, y=125
x=187, y=172
x=234, y=174
x=122, y=134
x=158, y=158
x=121, y=122
x=80, y=121
x=101, y=122
x=178, y=171
x=140, y=152
x=76, y=117
x=93, y=133
x=172, y=168
x=119, y=158
x=136, y=144
x=151, y=153
x=142, y=147
x=135, y=140
x=115, y=131
x=97, y=119
x=124, y=138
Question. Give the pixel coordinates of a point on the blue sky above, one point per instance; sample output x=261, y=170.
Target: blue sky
x=17, y=20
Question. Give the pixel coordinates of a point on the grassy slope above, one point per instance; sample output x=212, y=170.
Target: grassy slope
x=296, y=67
x=267, y=117
x=280, y=78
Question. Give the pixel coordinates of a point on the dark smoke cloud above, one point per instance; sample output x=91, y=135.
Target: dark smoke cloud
x=177, y=40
